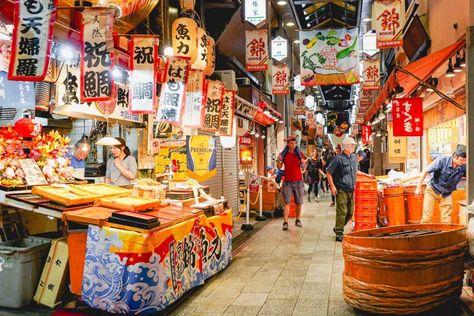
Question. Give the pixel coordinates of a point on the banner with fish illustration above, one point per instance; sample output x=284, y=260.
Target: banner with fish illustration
x=329, y=57
x=127, y=272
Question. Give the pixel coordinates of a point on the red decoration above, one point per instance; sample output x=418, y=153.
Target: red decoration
x=366, y=133
x=28, y=127
x=407, y=117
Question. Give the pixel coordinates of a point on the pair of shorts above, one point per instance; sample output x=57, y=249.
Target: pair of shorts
x=295, y=188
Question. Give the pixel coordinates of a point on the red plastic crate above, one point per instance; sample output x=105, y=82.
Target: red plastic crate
x=366, y=185
x=370, y=202
x=364, y=225
x=365, y=218
x=366, y=194
x=366, y=210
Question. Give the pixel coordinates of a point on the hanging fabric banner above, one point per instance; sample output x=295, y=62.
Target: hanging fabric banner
x=371, y=74
x=256, y=53
x=407, y=117
x=201, y=157
x=366, y=133
x=201, y=59
x=227, y=113
x=143, y=50
x=96, y=55
x=329, y=57
x=194, y=97
x=255, y=11
x=212, y=105
x=280, y=79
x=389, y=20
x=310, y=119
x=173, y=91
x=300, y=101
x=32, y=39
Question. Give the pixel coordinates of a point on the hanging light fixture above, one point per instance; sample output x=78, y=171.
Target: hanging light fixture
x=381, y=116
x=107, y=140
x=450, y=72
x=457, y=64
x=263, y=135
x=463, y=59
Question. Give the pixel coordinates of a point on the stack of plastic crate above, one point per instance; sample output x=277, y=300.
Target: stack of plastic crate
x=365, y=211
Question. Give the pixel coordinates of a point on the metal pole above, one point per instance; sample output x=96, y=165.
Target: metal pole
x=470, y=107
x=260, y=217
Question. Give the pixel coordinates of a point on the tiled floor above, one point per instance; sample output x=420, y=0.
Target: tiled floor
x=298, y=272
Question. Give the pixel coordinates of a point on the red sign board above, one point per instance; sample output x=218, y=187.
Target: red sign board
x=366, y=133
x=407, y=117
x=245, y=140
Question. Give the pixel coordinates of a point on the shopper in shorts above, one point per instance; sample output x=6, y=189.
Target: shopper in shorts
x=292, y=158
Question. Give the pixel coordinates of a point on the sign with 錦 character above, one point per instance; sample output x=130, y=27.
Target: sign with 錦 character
x=280, y=79
x=227, y=113
x=329, y=57
x=299, y=104
x=143, y=50
x=194, y=97
x=310, y=119
x=255, y=11
x=212, y=105
x=371, y=74
x=256, y=53
x=397, y=146
x=173, y=91
x=407, y=117
x=389, y=20
x=96, y=55
x=32, y=39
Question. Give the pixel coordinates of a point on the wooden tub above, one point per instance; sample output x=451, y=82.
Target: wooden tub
x=403, y=275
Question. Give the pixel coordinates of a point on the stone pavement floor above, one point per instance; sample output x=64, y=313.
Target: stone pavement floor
x=297, y=272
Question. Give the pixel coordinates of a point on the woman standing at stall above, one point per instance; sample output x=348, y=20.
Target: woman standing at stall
x=314, y=167
x=122, y=166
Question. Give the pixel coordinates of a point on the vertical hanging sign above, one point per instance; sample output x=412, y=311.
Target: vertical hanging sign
x=389, y=20
x=280, y=82
x=255, y=11
x=184, y=38
x=96, y=55
x=279, y=48
x=201, y=59
x=371, y=74
x=227, y=113
x=256, y=53
x=143, y=50
x=32, y=38
x=407, y=117
x=194, y=93
x=212, y=106
x=300, y=100
x=173, y=91
x=366, y=133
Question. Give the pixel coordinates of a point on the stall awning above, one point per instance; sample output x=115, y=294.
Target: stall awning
x=263, y=115
x=422, y=68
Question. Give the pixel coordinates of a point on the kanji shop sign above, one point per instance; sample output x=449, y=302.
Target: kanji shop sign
x=407, y=117
x=201, y=59
x=184, y=38
x=310, y=119
x=256, y=53
x=255, y=11
x=366, y=132
x=212, y=106
x=32, y=38
x=227, y=113
x=397, y=146
x=280, y=79
x=173, y=91
x=300, y=100
x=245, y=108
x=389, y=20
x=96, y=55
x=143, y=52
x=194, y=97
x=371, y=74
x=279, y=48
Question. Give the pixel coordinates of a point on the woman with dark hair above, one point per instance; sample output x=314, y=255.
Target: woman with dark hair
x=122, y=166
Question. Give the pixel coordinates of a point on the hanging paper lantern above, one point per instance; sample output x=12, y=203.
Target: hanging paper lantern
x=211, y=57
x=27, y=127
x=187, y=4
x=124, y=8
x=184, y=38
x=201, y=60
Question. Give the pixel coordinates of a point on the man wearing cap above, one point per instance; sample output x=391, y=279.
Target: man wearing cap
x=341, y=174
x=359, y=157
x=292, y=158
x=447, y=172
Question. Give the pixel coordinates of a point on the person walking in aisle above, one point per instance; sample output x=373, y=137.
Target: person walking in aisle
x=447, y=172
x=313, y=170
x=330, y=158
x=292, y=158
x=341, y=175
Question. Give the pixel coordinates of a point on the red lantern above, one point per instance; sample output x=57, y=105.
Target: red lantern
x=27, y=127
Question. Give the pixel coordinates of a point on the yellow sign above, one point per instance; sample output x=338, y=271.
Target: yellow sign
x=201, y=157
x=171, y=157
x=397, y=147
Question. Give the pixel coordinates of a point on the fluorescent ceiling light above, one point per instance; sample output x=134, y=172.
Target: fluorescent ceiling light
x=290, y=24
x=282, y=2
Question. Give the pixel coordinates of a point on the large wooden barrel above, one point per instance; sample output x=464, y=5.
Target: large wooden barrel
x=414, y=206
x=394, y=199
x=403, y=274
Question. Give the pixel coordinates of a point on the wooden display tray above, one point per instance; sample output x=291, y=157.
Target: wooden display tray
x=129, y=203
x=90, y=215
x=104, y=190
x=67, y=196
x=39, y=201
